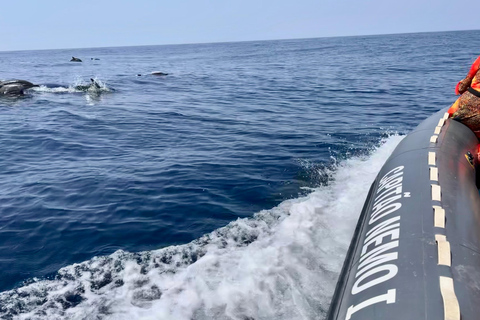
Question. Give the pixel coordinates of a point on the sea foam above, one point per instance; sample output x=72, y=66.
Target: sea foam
x=282, y=263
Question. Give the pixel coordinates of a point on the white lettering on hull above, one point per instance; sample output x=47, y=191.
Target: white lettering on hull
x=388, y=297
x=380, y=247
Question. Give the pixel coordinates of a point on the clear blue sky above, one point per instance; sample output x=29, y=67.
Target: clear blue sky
x=54, y=24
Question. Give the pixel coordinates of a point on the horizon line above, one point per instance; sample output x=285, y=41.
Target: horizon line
x=238, y=41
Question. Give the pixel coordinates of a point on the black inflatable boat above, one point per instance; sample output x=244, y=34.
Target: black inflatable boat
x=415, y=253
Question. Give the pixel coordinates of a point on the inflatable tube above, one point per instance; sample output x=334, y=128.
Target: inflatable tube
x=415, y=253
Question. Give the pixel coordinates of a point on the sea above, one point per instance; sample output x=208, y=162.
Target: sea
x=227, y=189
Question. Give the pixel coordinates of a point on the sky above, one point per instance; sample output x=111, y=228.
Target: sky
x=59, y=24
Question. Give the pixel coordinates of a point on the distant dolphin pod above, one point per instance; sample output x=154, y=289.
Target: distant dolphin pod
x=15, y=87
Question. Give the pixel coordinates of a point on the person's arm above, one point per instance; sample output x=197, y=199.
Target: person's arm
x=463, y=85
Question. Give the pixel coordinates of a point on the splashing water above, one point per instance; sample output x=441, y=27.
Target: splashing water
x=79, y=86
x=281, y=264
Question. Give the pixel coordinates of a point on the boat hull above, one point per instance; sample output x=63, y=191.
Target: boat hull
x=415, y=250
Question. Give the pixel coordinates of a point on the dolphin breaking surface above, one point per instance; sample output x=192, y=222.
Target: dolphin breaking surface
x=18, y=87
x=15, y=87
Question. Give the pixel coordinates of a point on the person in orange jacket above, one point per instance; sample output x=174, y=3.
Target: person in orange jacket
x=467, y=108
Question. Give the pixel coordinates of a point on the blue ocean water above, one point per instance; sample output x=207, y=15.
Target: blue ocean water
x=228, y=189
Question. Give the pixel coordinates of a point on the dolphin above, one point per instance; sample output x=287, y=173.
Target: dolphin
x=159, y=73
x=92, y=86
x=15, y=87
x=76, y=59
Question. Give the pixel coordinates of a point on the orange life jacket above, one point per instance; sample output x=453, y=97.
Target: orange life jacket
x=474, y=83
